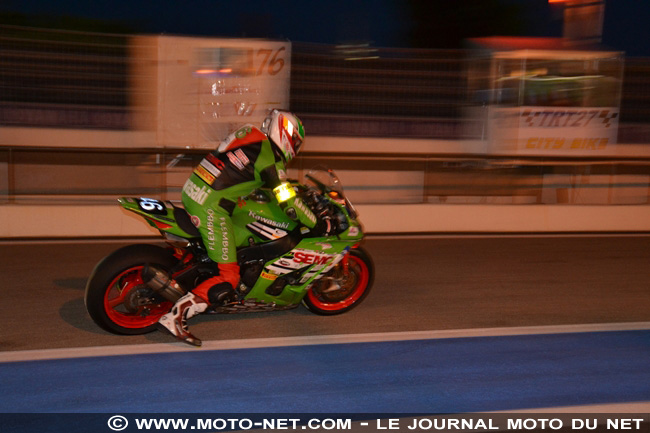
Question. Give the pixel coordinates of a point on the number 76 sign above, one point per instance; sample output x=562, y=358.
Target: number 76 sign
x=198, y=90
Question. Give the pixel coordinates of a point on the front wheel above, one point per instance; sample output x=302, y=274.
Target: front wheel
x=344, y=287
x=116, y=297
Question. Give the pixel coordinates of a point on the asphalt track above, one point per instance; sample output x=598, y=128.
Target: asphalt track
x=445, y=329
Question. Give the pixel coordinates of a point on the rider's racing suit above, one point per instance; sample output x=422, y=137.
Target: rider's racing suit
x=244, y=161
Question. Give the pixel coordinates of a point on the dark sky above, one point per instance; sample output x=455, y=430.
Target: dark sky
x=302, y=21
x=627, y=26
x=384, y=22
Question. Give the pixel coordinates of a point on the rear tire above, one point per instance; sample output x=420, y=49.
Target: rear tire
x=116, y=297
x=354, y=282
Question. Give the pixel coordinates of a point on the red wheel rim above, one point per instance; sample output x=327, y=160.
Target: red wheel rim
x=357, y=291
x=117, y=292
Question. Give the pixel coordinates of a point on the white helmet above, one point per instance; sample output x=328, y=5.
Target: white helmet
x=285, y=130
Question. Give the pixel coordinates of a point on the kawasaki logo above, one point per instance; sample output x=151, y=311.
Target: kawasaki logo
x=306, y=211
x=196, y=193
x=268, y=221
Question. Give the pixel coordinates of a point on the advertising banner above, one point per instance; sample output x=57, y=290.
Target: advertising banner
x=194, y=91
x=553, y=131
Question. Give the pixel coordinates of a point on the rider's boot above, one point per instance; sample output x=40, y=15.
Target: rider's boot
x=220, y=290
x=175, y=322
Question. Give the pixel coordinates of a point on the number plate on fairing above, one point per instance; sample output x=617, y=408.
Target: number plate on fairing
x=152, y=206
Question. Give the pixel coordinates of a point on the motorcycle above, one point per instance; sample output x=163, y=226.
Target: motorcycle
x=281, y=264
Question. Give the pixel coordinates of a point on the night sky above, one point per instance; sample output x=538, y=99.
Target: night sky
x=385, y=23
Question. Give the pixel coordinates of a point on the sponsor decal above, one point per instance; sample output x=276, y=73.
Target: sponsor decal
x=219, y=164
x=305, y=210
x=269, y=276
x=322, y=268
x=225, y=250
x=354, y=231
x=266, y=231
x=323, y=245
x=235, y=161
x=195, y=220
x=207, y=165
x=243, y=132
x=238, y=158
x=311, y=258
x=196, y=193
x=204, y=174
x=282, y=225
x=210, y=228
x=242, y=156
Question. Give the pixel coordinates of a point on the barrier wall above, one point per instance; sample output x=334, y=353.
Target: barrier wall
x=89, y=117
x=381, y=210
x=32, y=221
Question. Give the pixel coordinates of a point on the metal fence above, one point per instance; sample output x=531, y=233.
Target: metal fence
x=63, y=79
x=635, y=104
x=377, y=82
x=83, y=80
x=98, y=176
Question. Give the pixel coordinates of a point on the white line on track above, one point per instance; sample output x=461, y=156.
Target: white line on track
x=172, y=347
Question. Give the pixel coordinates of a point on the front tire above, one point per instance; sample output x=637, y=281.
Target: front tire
x=344, y=288
x=116, y=297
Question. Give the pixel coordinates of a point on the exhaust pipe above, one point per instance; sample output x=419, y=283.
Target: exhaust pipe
x=160, y=282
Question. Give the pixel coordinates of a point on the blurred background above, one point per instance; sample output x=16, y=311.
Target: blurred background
x=478, y=115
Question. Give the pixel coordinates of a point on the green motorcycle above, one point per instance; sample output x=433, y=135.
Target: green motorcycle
x=280, y=266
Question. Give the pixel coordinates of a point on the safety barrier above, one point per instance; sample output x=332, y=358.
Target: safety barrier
x=388, y=120
x=87, y=80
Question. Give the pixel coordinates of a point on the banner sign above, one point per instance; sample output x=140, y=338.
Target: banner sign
x=198, y=90
x=553, y=131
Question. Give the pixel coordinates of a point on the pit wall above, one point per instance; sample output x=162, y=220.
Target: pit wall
x=34, y=221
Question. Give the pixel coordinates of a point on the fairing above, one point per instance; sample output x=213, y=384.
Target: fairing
x=287, y=260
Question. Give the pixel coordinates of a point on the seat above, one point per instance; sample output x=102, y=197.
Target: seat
x=185, y=222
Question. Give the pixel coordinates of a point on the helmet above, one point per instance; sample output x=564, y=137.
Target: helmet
x=285, y=130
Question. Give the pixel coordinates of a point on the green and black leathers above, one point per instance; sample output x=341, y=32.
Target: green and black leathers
x=244, y=162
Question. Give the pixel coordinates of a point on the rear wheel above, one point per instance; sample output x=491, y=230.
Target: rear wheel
x=344, y=287
x=116, y=297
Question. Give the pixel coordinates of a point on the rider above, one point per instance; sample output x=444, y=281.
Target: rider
x=247, y=159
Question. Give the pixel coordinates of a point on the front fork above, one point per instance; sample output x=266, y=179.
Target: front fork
x=346, y=262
